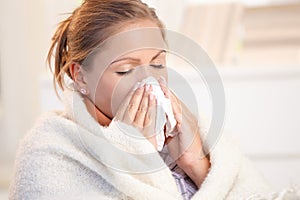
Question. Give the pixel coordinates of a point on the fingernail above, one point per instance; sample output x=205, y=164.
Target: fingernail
x=151, y=96
x=151, y=88
x=147, y=87
x=136, y=86
x=141, y=85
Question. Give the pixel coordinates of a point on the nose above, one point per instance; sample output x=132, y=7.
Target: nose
x=145, y=71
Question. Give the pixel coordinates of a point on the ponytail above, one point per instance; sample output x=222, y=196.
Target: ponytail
x=59, y=49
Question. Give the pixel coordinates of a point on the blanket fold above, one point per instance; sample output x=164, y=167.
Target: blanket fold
x=68, y=155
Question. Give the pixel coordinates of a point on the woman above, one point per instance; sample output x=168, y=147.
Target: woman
x=57, y=159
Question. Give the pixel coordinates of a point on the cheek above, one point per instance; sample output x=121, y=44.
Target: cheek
x=103, y=94
x=111, y=92
x=121, y=91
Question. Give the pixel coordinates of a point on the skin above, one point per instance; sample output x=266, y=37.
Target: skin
x=138, y=106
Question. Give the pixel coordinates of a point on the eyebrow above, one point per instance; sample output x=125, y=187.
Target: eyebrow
x=136, y=59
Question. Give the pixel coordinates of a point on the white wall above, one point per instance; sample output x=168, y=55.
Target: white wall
x=169, y=11
x=18, y=72
x=26, y=31
x=26, y=27
x=263, y=111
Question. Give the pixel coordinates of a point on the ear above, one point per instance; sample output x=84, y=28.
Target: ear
x=78, y=76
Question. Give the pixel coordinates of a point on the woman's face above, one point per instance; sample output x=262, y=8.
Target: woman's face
x=115, y=82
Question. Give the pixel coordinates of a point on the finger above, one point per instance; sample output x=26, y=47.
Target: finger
x=149, y=122
x=133, y=105
x=122, y=108
x=164, y=88
x=151, y=114
x=177, y=111
x=176, y=104
x=142, y=110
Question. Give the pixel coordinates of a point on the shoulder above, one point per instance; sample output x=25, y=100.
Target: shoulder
x=52, y=129
x=51, y=162
x=53, y=135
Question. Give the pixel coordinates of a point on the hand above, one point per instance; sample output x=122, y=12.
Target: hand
x=139, y=110
x=186, y=146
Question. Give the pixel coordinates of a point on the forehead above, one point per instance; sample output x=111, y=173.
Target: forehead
x=131, y=40
x=142, y=53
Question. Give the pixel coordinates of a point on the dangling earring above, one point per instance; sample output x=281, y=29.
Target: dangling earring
x=83, y=91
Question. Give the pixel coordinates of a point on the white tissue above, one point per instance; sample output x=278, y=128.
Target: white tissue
x=164, y=114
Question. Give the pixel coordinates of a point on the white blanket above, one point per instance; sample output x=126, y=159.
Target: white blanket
x=67, y=155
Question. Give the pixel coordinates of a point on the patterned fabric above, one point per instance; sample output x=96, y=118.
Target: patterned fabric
x=184, y=183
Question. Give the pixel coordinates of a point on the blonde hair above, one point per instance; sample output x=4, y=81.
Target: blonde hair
x=89, y=25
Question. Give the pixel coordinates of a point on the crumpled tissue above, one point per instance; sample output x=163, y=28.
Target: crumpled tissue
x=164, y=113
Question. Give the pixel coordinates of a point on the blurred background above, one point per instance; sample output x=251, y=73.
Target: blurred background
x=254, y=44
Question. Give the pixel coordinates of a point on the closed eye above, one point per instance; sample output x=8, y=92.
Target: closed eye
x=124, y=72
x=159, y=66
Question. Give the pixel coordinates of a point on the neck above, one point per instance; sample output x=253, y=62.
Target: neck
x=96, y=113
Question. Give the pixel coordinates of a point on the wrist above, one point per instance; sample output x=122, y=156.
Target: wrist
x=198, y=170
